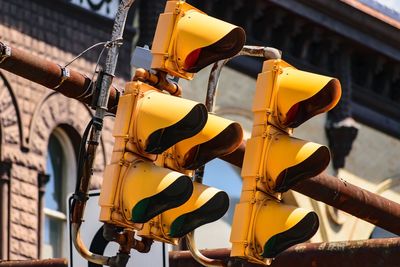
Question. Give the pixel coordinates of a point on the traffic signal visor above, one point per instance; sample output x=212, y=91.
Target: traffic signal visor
x=296, y=95
x=207, y=204
x=154, y=121
x=283, y=160
x=187, y=40
x=149, y=190
x=262, y=228
x=278, y=226
x=219, y=137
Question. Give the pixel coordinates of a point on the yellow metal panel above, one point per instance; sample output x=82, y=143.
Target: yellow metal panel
x=263, y=93
x=162, y=39
x=124, y=113
x=253, y=157
x=240, y=228
x=107, y=194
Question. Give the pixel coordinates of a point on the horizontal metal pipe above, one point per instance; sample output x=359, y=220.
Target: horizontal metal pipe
x=342, y=195
x=325, y=188
x=49, y=75
x=35, y=263
x=354, y=200
x=366, y=253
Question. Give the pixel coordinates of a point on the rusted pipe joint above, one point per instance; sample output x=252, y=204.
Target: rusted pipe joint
x=158, y=80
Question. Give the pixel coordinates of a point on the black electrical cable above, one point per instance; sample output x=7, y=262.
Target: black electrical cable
x=81, y=160
x=82, y=155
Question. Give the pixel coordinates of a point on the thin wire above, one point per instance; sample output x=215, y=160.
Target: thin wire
x=84, y=51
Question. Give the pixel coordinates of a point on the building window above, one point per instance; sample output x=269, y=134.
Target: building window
x=61, y=168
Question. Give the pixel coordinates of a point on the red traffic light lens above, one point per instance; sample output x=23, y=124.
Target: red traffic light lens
x=292, y=114
x=192, y=58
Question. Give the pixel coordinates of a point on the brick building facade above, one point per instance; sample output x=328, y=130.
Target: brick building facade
x=30, y=114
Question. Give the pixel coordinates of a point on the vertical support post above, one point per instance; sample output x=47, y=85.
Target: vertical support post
x=43, y=179
x=5, y=172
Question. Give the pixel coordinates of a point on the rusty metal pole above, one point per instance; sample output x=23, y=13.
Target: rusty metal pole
x=49, y=74
x=365, y=253
x=325, y=188
x=35, y=263
x=354, y=200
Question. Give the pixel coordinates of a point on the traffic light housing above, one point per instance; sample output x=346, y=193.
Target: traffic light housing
x=269, y=227
x=293, y=96
x=134, y=189
x=150, y=129
x=275, y=161
x=187, y=40
x=280, y=160
x=219, y=137
x=141, y=191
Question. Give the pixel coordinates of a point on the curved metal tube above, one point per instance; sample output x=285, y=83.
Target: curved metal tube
x=247, y=50
x=260, y=51
x=200, y=258
x=81, y=248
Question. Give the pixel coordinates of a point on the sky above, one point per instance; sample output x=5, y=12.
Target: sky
x=389, y=7
x=393, y=4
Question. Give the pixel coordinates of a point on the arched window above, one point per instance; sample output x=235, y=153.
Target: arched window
x=61, y=168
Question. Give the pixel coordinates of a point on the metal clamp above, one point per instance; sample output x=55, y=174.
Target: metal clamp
x=65, y=74
x=5, y=52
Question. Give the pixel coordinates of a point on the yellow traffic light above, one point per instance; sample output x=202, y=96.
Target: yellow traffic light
x=275, y=161
x=150, y=121
x=142, y=191
x=285, y=98
x=290, y=97
x=187, y=40
x=267, y=228
x=147, y=123
x=219, y=137
x=279, y=161
x=207, y=204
